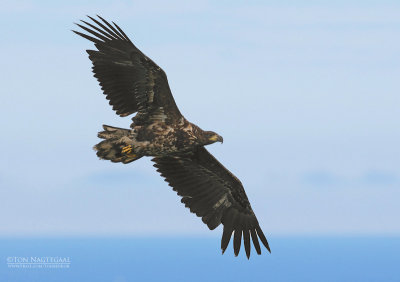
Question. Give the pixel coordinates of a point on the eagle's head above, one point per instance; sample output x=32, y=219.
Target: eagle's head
x=212, y=137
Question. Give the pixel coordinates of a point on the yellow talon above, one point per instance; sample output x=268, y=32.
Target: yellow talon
x=127, y=149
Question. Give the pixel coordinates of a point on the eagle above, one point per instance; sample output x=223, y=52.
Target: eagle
x=133, y=83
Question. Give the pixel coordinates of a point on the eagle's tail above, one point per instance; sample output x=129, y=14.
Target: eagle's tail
x=116, y=146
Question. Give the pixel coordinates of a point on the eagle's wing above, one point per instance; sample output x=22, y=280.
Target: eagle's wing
x=129, y=79
x=213, y=193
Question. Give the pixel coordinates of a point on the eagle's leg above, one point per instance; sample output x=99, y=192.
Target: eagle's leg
x=128, y=151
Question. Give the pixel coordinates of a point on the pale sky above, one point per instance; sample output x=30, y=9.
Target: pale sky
x=305, y=94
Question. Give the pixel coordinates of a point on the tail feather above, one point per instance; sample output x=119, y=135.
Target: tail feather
x=111, y=148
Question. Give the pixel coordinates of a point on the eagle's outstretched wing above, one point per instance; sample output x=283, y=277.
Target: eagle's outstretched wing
x=213, y=193
x=130, y=80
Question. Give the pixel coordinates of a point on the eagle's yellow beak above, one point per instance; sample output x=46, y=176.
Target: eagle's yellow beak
x=216, y=138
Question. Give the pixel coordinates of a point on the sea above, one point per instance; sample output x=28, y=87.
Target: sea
x=310, y=258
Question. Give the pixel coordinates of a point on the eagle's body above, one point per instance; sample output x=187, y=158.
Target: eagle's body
x=161, y=139
x=155, y=139
x=133, y=83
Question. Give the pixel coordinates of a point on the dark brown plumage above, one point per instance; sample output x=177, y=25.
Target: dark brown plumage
x=133, y=83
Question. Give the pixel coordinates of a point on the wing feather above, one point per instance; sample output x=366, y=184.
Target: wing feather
x=227, y=233
x=237, y=239
x=255, y=241
x=246, y=240
x=213, y=193
x=131, y=81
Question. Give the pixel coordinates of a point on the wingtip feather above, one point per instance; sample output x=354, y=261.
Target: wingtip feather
x=246, y=241
x=262, y=238
x=226, y=237
x=255, y=241
x=237, y=241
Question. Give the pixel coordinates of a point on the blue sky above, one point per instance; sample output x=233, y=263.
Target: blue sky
x=305, y=95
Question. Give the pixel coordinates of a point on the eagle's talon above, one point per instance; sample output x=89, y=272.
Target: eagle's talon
x=127, y=149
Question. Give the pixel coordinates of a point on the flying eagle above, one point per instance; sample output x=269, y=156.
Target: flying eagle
x=133, y=83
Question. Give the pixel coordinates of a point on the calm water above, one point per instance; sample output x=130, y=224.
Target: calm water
x=199, y=259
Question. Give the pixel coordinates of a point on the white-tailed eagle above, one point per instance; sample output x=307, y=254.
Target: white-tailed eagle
x=133, y=83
